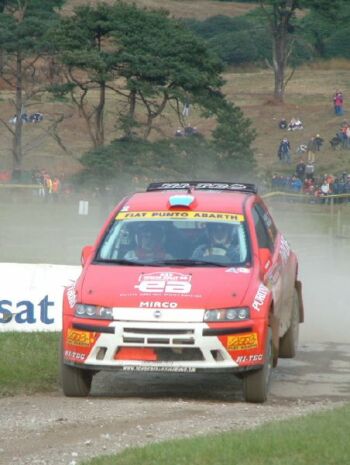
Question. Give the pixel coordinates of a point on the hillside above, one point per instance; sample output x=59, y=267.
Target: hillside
x=199, y=9
x=308, y=96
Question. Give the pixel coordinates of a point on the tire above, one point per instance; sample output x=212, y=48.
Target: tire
x=76, y=382
x=289, y=342
x=256, y=383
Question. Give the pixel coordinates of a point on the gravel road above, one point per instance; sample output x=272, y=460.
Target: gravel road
x=130, y=410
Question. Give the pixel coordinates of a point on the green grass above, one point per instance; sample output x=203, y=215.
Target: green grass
x=29, y=362
x=318, y=439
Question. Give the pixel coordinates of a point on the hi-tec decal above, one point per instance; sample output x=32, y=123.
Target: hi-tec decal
x=74, y=355
x=249, y=358
x=242, y=342
x=260, y=297
x=158, y=304
x=179, y=215
x=167, y=283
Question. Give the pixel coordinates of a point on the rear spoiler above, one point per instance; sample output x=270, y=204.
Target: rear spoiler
x=202, y=185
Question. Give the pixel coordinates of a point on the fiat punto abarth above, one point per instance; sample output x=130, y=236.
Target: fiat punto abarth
x=185, y=277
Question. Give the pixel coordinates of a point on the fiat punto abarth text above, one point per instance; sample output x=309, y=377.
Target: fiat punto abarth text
x=183, y=278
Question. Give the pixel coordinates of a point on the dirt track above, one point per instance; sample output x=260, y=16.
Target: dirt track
x=128, y=410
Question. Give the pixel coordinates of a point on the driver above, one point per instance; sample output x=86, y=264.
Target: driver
x=149, y=240
x=220, y=244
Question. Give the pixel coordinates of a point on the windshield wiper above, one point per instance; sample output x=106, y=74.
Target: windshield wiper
x=188, y=262
x=120, y=261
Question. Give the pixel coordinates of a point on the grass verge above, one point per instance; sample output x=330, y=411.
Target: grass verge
x=29, y=362
x=318, y=439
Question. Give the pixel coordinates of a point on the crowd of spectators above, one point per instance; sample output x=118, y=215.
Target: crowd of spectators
x=315, y=188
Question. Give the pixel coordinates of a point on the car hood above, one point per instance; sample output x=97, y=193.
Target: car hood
x=182, y=287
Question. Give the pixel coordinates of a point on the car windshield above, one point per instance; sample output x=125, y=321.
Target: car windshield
x=174, y=242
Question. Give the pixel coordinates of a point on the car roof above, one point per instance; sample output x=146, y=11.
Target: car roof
x=211, y=201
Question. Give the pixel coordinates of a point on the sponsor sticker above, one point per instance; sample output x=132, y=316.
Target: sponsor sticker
x=238, y=270
x=71, y=296
x=242, y=341
x=79, y=338
x=284, y=250
x=158, y=304
x=164, y=283
x=159, y=368
x=260, y=297
x=152, y=215
x=74, y=355
x=249, y=358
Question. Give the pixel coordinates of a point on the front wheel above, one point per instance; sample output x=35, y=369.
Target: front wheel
x=76, y=382
x=256, y=383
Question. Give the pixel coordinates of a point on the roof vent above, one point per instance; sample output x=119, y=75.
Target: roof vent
x=181, y=200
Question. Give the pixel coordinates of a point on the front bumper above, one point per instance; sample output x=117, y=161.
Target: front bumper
x=163, y=346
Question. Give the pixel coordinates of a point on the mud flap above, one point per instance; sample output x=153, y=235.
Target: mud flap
x=298, y=287
x=274, y=324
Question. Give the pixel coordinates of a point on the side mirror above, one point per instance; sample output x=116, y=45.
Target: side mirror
x=265, y=258
x=85, y=254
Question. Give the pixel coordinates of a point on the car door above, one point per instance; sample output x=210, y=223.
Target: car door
x=280, y=276
x=268, y=238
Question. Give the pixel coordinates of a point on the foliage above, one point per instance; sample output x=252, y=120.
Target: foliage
x=338, y=44
x=166, y=158
x=232, y=139
x=20, y=371
x=146, y=58
x=23, y=25
x=191, y=157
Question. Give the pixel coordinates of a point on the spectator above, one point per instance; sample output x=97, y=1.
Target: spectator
x=309, y=170
x=296, y=184
x=300, y=170
x=295, y=124
x=36, y=117
x=318, y=141
x=311, y=149
x=284, y=150
x=283, y=124
x=56, y=187
x=301, y=149
x=336, y=141
x=338, y=102
x=325, y=190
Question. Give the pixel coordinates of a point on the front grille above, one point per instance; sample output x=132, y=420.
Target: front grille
x=158, y=331
x=158, y=336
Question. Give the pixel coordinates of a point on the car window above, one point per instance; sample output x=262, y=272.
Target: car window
x=268, y=221
x=156, y=241
x=264, y=238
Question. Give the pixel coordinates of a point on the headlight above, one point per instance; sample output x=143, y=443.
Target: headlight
x=93, y=311
x=227, y=314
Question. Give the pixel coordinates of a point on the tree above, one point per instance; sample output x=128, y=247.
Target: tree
x=23, y=24
x=232, y=139
x=280, y=16
x=145, y=58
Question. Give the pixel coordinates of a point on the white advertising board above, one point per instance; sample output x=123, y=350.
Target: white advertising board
x=31, y=295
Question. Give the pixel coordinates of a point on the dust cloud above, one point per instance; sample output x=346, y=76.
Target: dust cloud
x=321, y=239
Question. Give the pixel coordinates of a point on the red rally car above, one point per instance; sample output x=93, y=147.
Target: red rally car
x=185, y=277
